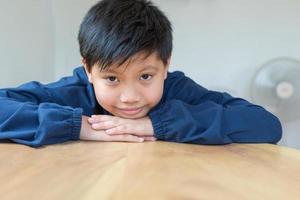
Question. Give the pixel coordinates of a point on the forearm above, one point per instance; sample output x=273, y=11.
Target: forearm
x=37, y=125
x=211, y=123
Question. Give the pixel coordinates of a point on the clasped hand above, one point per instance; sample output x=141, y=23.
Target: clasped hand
x=113, y=128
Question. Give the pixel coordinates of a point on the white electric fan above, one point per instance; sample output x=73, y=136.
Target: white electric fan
x=276, y=86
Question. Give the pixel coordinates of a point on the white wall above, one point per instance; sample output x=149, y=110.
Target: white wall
x=68, y=15
x=26, y=41
x=222, y=43
x=219, y=43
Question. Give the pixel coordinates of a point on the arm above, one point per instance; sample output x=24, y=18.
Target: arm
x=28, y=117
x=189, y=113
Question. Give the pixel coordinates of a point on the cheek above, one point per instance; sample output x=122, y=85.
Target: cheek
x=105, y=99
x=104, y=96
x=154, y=94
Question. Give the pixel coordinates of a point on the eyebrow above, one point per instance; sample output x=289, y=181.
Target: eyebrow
x=144, y=68
x=110, y=71
x=148, y=67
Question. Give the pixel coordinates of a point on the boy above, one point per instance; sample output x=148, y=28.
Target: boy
x=124, y=91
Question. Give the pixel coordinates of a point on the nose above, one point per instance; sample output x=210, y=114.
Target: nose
x=130, y=95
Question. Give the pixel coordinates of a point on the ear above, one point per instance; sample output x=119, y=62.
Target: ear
x=87, y=71
x=167, y=67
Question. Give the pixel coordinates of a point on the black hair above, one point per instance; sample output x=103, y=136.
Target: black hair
x=114, y=30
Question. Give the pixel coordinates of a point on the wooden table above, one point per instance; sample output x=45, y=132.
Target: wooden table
x=152, y=170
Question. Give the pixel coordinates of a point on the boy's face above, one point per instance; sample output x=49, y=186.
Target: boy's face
x=131, y=89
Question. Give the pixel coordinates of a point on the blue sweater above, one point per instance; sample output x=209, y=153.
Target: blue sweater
x=35, y=114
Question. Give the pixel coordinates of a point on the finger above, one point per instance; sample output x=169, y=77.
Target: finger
x=100, y=118
x=104, y=125
x=126, y=138
x=149, y=138
x=102, y=136
x=122, y=129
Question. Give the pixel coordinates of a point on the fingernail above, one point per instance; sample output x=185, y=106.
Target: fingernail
x=95, y=126
x=141, y=139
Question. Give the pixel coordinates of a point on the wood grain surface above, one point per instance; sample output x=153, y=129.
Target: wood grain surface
x=151, y=170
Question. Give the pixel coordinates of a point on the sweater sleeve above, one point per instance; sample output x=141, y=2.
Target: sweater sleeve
x=190, y=113
x=36, y=125
x=35, y=114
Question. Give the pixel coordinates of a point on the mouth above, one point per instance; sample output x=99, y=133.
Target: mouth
x=131, y=111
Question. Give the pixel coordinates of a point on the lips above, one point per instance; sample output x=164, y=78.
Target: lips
x=131, y=111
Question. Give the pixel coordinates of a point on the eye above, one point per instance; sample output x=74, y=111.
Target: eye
x=146, y=77
x=112, y=79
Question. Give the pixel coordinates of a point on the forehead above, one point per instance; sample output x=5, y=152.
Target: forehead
x=138, y=61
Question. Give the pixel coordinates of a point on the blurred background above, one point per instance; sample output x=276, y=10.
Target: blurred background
x=223, y=45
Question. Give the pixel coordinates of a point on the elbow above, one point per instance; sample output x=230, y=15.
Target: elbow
x=275, y=130
x=269, y=127
x=264, y=127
